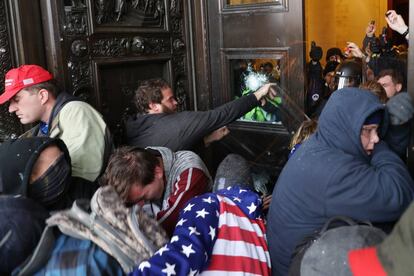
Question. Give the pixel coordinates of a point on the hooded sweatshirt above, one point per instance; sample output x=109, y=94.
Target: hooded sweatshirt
x=332, y=175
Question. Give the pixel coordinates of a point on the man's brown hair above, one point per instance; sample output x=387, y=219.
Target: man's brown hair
x=149, y=92
x=375, y=88
x=51, y=86
x=128, y=166
x=396, y=76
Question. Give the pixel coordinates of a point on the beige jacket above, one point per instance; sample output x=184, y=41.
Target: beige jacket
x=85, y=134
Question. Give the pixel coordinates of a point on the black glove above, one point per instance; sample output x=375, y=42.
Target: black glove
x=400, y=108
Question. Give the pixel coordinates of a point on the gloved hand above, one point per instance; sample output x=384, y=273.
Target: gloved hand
x=400, y=108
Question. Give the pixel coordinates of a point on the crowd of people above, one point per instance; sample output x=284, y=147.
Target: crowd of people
x=70, y=203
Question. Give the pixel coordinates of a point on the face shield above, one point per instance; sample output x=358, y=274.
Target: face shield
x=342, y=82
x=348, y=74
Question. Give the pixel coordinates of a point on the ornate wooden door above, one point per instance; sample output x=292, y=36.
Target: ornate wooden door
x=238, y=39
x=102, y=49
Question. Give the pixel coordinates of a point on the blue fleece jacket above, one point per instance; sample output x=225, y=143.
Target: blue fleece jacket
x=331, y=174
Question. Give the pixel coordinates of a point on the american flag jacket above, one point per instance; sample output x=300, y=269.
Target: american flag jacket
x=217, y=234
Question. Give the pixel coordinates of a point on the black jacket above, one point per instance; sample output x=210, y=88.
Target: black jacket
x=184, y=130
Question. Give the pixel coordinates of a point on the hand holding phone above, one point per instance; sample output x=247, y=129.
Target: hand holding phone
x=370, y=30
x=396, y=22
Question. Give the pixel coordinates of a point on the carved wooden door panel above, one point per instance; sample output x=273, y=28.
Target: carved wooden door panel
x=102, y=49
x=8, y=123
x=255, y=38
x=20, y=42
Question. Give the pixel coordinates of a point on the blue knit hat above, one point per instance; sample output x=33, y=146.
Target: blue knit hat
x=374, y=119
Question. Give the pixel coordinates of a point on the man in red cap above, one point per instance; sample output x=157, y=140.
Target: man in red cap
x=34, y=97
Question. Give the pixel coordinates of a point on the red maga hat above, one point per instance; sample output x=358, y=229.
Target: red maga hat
x=24, y=76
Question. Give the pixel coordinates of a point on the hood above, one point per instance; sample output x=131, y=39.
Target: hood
x=341, y=121
x=17, y=158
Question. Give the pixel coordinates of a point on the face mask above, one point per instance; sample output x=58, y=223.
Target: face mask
x=51, y=186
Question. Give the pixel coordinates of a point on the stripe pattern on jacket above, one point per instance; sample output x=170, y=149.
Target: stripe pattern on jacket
x=241, y=243
x=220, y=234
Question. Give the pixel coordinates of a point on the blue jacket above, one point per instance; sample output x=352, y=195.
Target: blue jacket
x=330, y=175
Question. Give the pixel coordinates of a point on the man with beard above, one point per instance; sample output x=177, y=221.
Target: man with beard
x=158, y=123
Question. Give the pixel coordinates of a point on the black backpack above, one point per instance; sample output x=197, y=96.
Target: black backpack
x=325, y=251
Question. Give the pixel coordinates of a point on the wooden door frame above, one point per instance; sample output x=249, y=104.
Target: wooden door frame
x=410, y=86
x=201, y=57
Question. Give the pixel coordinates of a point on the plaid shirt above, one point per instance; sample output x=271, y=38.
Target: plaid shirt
x=73, y=256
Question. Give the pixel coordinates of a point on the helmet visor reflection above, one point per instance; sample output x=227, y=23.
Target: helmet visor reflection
x=346, y=82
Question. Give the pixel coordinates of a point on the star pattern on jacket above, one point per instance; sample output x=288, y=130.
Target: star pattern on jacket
x=252, y=208
x=144, y=265
x=180, y=222
x=193, y=230
x=169, y=269
x=208, y=200
x=236, y=199
x=162, y=250
x=202, y=213
x=212, y=232
x=191, y=246
x=187, y=250
x=188, y=208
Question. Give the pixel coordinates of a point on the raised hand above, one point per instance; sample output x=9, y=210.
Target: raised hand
x=395, y=21
x=266, y=91
x=370, y=31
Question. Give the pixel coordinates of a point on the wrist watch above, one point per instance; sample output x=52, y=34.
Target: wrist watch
x=405, y=33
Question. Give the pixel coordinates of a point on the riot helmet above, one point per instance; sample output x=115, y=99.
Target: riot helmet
x=348, y=74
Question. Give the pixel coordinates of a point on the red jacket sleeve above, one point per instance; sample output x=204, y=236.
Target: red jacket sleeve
x=190, y=183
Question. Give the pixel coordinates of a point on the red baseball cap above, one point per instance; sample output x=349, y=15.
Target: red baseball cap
x=24, y=76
